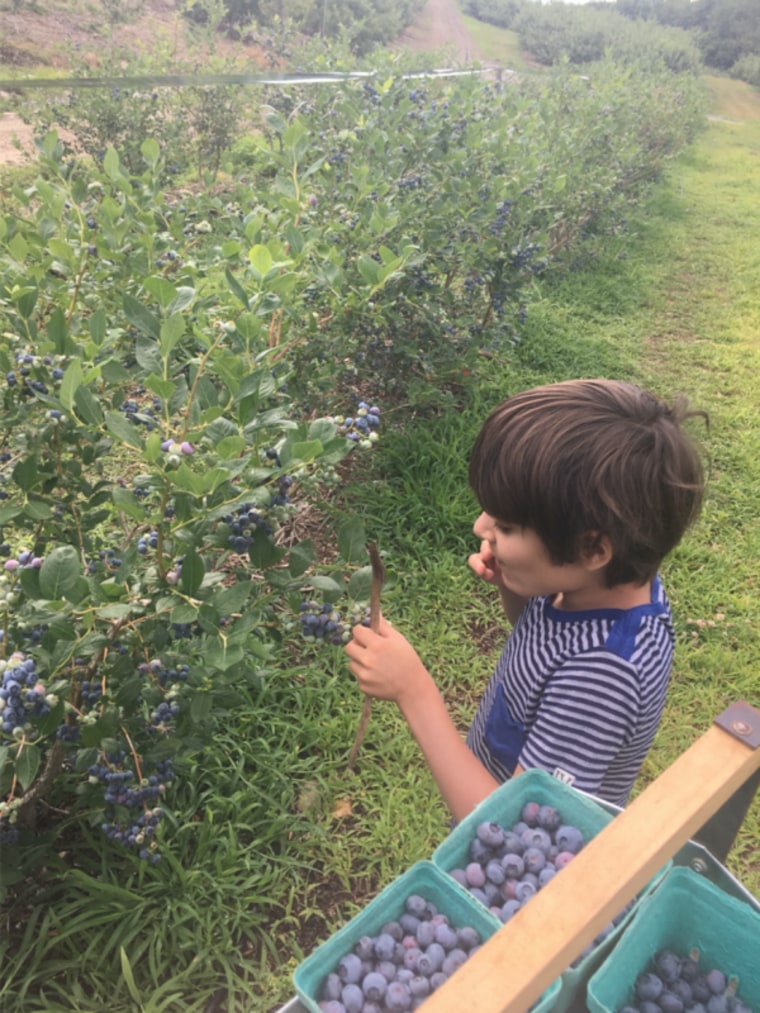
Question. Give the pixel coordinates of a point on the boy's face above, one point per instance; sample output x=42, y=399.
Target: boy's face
x=524, y=563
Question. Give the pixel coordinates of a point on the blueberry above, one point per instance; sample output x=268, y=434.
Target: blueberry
x=385, y=947
x=649, y=986
x=332, y=986
x=510, y=908
x=416, y=905
x=431, y=960
x=569, y=838
x=524, y=890
x=425, y=934
x=374, y=986
x=700, y=990
x=453, y=961
x=682, y=989
x=535, y=860
x=495, y=872
x=468, y=937
x=669, y=1002
x=397, y=997
x=349, y=969
x=447, y=936
x=513, y=865
x=717, y=1004
x=352, y=998
x=491, y=834
x=668, y=965
x=549, y=818
x=475, y=874
x=512, y=844
x=419, y=986
x=716, y=981
x=365, y=948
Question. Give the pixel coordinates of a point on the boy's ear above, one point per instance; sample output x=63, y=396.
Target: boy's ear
x=596, y=550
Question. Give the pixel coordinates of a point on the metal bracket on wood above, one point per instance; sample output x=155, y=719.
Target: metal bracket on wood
x=719, y=833
x=742, y=721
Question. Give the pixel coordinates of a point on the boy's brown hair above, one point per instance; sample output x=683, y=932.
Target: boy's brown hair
x=577, y=460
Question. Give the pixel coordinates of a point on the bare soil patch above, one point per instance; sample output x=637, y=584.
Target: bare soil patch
x=65, y=33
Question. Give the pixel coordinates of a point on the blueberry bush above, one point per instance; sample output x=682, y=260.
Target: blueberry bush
x=150, y=456
x=187, y=367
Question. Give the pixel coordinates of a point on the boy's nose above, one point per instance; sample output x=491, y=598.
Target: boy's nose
x=481, y=525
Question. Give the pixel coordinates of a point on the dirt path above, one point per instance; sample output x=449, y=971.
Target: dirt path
x=438, y=27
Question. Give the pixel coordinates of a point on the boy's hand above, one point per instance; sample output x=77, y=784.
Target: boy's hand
x=483, y=565
x=385, y=663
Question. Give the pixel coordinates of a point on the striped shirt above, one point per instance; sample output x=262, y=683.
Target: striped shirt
x=581, y=692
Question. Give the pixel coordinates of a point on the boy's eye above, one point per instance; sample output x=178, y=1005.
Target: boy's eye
x=504, y=528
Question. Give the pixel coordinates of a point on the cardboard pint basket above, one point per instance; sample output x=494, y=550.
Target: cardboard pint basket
x=685, y=913
x=504, y=806
x=430, y=883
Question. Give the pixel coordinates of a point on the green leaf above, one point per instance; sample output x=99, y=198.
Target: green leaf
x=184, y=298
x=172, y=330
x=223, y=655
x=25, y=474
x=193, y=572
x=352, y=540
x=261, y=260
x=141, y=317
x=96, y=325
x=87, y=406
x=57, y=329
x=60, y=571
x=27, y=764
x=123, y=429
x=229, y=447
x=307, y=450
x=126, y=967
x=73, y=378
x=300, y=558
x=232, y=599
x=164, y=388
x=151, y=153
x=162, y=289
x=236, y=288
x=112, y=165
x=360, y=584
x=326, y=584
x=368, y=268
x=126, y=501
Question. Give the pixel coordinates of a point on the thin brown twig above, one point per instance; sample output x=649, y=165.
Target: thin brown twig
x=378, y=576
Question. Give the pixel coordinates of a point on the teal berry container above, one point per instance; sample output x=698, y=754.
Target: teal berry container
x=504, y=806
x=423, y=878
x=686, y=912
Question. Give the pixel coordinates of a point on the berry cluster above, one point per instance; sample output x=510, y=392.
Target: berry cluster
x=360, y=428
x=143, y=414
x=676, y=983
x=250, y=518
x=508, y=866
x=34, y=373
x=398, y=969
x=325, y=622
x=22, y=695
x=138, y=829
x=21, y=561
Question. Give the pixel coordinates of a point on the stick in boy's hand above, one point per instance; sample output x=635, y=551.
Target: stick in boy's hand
x=378, y=576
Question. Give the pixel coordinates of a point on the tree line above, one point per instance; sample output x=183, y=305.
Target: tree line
x=723, y=34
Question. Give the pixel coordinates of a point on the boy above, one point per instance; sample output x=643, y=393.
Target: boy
x=585, y=486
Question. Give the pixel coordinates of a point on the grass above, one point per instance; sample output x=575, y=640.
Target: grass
x=275, y=843
x=497, y=45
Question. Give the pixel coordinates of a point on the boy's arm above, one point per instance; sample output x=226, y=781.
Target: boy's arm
x=387, y=666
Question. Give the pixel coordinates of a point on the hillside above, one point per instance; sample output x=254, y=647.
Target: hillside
x=63, y=31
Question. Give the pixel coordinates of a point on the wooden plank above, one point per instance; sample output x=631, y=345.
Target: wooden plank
x=513, y=968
